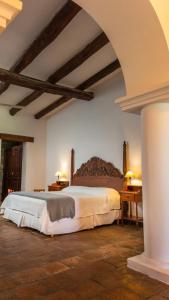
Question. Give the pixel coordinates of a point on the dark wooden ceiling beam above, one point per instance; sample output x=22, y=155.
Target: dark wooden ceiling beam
x=86, y=84
x=100, y=41
x=46, y=37
x=47, y=87
x=100, y=75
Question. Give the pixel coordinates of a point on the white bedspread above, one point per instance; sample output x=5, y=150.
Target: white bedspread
x=86, y=204
x=93, y=207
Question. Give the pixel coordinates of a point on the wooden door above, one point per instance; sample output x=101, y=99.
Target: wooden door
x=12, y=171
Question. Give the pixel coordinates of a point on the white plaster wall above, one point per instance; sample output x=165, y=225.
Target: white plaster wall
x=34, y=156
x=93, y=128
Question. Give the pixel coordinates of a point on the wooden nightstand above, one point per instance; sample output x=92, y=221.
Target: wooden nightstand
x=58, y=187
x=131, y=197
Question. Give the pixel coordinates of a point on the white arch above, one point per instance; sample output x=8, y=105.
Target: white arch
x=162, y=11
x=138, y=37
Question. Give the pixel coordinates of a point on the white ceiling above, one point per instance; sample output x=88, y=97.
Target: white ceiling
x=26, y=27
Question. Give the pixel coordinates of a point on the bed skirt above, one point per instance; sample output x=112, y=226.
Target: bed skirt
x=63, y=226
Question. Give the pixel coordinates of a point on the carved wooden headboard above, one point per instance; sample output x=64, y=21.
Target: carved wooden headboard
x=99, y=173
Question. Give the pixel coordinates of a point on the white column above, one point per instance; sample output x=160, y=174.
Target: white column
x=155, y=168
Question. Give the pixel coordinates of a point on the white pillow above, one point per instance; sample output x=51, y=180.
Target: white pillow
x=76, y=189
x=100, y=191
x=110, y=194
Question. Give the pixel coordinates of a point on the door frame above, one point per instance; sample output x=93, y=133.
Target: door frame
x=16, y=138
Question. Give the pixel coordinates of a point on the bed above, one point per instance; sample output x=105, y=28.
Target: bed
x=94, y=194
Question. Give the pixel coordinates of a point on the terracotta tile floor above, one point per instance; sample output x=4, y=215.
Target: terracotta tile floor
x=85, y=265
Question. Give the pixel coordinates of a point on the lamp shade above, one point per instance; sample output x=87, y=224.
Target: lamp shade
x=129, y=174
x=58, y=174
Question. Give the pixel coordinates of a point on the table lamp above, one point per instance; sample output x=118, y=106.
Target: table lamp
x=58, y=175
x=129, y=175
